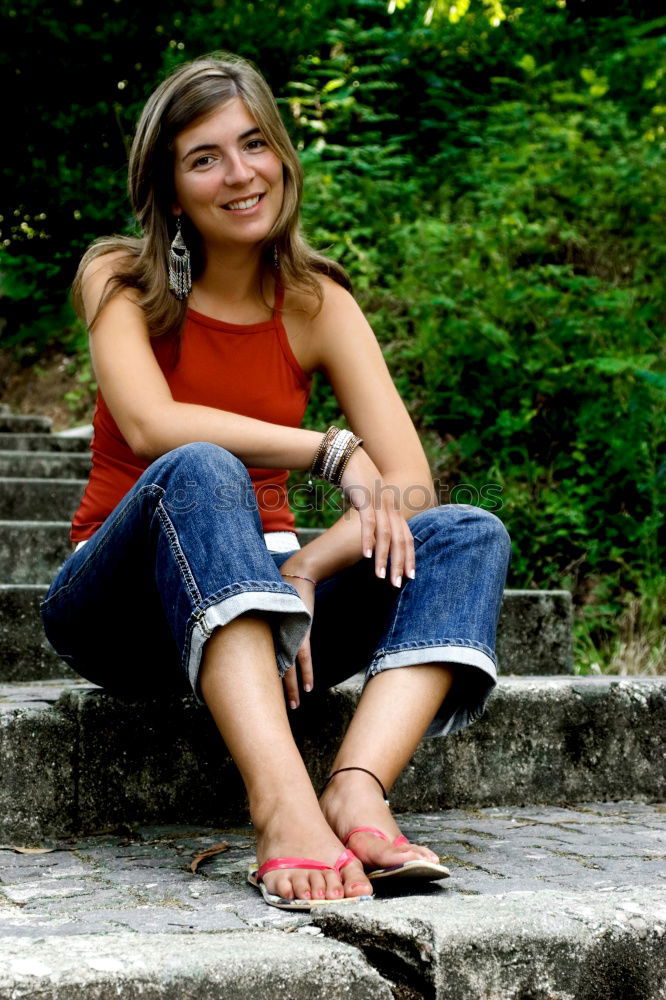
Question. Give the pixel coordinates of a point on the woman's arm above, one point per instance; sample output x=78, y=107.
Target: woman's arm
x=348, y=354
x=140, y=401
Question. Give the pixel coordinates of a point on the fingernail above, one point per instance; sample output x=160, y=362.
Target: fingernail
x=382, y=572
x=307, y=687
x=411, y=573
x=368, y=553
x=292, y=704
x=397, y=581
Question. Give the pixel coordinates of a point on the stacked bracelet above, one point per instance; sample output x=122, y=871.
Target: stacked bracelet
x=333, y=454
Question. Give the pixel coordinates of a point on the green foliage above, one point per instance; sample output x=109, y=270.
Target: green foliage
x=496, y=191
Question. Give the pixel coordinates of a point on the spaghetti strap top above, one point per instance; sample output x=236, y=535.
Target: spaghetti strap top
x=248, y=369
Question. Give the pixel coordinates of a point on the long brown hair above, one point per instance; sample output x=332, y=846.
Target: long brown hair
x=190, y=92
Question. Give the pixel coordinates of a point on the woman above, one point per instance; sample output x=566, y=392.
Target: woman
x=205, y=333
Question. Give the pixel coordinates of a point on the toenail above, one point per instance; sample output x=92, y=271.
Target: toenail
x=357, y=884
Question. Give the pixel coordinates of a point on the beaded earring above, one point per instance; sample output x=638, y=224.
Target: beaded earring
x=180, y=270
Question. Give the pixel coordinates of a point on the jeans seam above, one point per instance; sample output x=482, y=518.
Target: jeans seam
x=183, y=565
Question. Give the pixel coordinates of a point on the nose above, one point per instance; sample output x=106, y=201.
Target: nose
x=238, y=171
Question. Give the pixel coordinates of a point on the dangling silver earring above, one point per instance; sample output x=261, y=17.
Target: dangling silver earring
x=180, y=270
x=276, y=257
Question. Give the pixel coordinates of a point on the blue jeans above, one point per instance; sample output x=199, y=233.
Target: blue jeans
x=184, y=552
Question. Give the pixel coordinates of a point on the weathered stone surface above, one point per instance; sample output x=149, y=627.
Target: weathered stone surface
x=548, y=740
x=19, y=423
x=32, y=551
x=45, y=464
x=535, y=632
x=38, y=759
x=39, y=499
x=139, y=877
x=20, y=441
x=550, y=945
x=25, y=653
x=238, y=966
x=151, y=761
x=542, y=903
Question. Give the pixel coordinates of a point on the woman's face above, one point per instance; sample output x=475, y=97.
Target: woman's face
x=220, y=162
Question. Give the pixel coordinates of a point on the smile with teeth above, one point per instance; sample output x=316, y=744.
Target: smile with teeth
x=248, y=203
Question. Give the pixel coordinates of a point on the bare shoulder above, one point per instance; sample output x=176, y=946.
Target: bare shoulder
x=96, y=275
x=105, y=266
x=314, y=324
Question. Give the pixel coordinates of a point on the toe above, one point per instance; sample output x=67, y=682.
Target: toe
x=318, y=885
x=334, y=888
x=282, y=887
x=355, y=881
x=301, y=885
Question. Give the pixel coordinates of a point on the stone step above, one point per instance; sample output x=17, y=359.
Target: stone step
x=31, y=551
x=567, y=898
x=74, y=758
x=534, y=634
x=39, y=499
x=533, y=637
x=43, y=442
x=44, y=464
x=11, y=423
x=25, y=653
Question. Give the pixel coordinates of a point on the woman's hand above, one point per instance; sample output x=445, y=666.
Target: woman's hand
x=306, y=592
x=383, y=527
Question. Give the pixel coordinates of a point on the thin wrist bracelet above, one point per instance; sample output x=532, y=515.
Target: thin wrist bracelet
x=297, y=577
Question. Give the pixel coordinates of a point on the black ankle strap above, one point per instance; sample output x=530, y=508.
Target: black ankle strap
x=365, y=771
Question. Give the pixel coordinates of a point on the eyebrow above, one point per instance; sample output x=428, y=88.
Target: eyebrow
x=213, y=145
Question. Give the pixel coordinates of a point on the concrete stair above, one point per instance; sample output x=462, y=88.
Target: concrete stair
x=586, y=918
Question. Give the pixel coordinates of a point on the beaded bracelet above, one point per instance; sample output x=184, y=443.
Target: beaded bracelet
x=297, y=577
x=328, y=437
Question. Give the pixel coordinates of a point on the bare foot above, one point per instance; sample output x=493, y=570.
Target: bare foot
x=290, y=831
x=353, y=799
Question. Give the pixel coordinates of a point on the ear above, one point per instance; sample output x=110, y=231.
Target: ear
x=176, y=209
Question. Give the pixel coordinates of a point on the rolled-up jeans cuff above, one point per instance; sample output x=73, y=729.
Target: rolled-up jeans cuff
x=289, y=629
x=467, y=699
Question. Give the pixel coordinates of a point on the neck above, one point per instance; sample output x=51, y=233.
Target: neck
x=230, y=277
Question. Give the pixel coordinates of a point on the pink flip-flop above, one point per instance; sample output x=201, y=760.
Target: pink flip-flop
x=256, y=874
x=417, y=868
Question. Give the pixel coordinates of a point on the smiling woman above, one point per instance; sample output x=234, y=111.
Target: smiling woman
x=223, y=164
x=187, y=573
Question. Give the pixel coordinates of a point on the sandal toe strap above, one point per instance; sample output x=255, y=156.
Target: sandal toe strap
x=345, y=859
x=399, y=841
x=273, y=864
x=364, y=829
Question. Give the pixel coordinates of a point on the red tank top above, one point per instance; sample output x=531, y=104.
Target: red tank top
x=247, y=369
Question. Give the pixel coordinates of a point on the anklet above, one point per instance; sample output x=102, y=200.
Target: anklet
x=365, y=770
